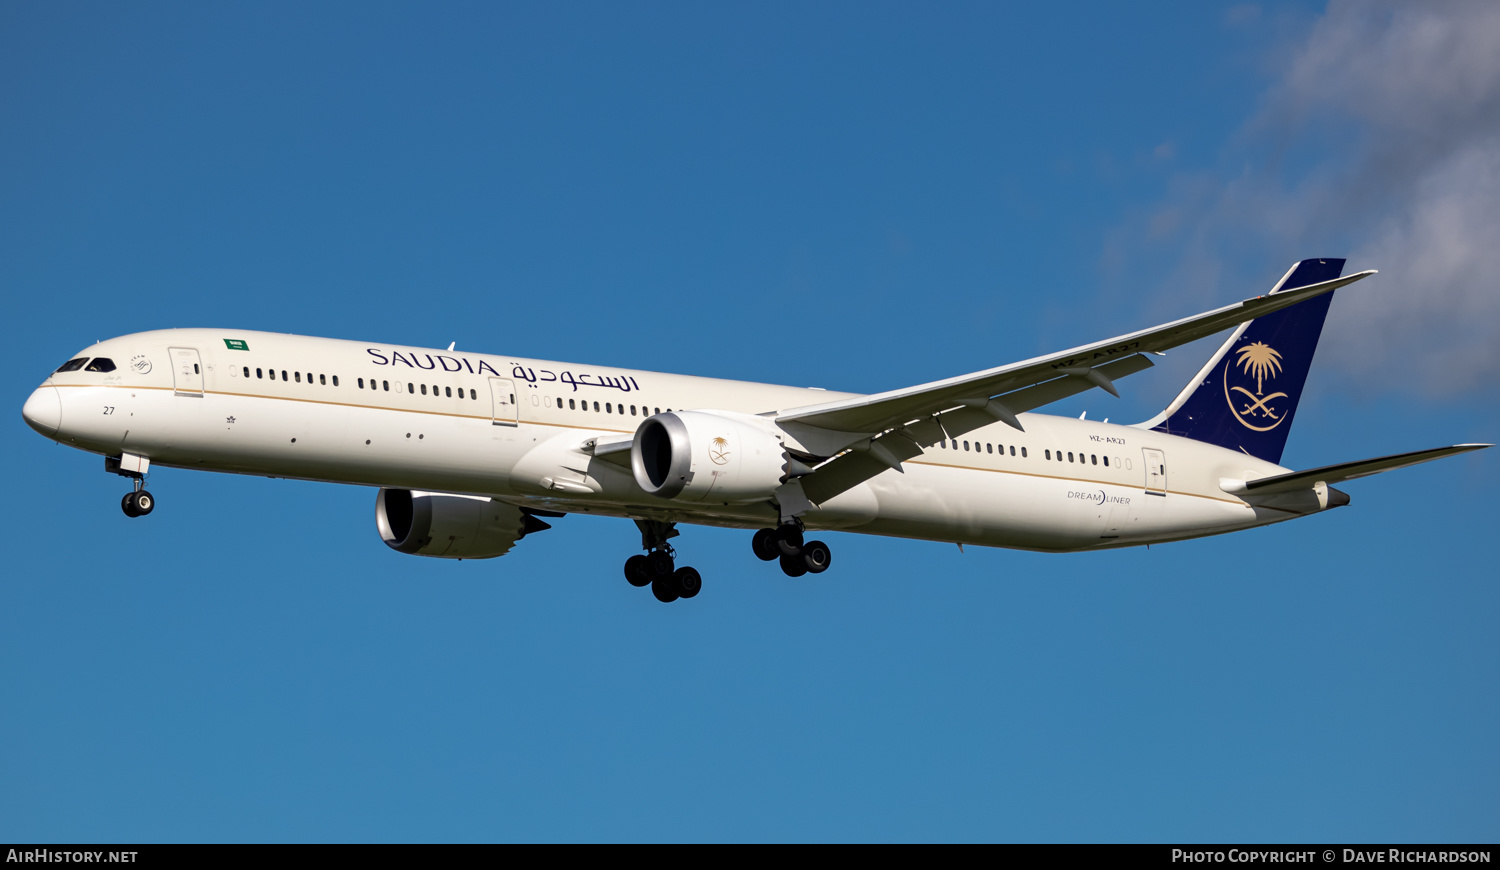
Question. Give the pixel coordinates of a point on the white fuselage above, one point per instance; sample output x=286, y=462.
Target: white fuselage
x=515, y=429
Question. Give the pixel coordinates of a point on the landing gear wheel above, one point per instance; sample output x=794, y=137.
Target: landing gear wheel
x=127, y=504
x=659, y=566
x=789, y=540
x=145, y=502
x=688, y=582
x=635, y=571
x=665, y=589
x=764, y=545
x=793, y=566
x=816, y=557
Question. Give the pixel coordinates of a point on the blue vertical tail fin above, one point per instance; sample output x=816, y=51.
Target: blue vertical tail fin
x=1245, y=397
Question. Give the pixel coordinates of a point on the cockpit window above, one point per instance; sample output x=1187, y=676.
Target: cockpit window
x=73, y=365
x=100, y=364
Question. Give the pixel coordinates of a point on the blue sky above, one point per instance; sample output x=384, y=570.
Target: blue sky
x=854, y=196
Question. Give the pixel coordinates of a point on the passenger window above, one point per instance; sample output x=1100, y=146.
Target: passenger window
x=966, y=447
x=989, y=448
x=247, y=371
x=473, y=395
x=1049, y=454
x=412, y=388
x=596, y=406
x=283, y=375
x=608, y=409
x=386, y=385
x=335, y=380
x=1070, y=456
x=571, y=406
x=257, y=373
x=298, y=376
x=1106, y=462
x=448, y=391
x=1023, y=452
x=632, y=410
x=424, y=389
x=656, y=410
x=322, y=381
x=361, y=383
x=1093, y=460
x=112, y=367
x=72, y=365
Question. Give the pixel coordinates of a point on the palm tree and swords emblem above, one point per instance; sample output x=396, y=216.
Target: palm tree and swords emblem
x=1257, y=360
x=718, y=451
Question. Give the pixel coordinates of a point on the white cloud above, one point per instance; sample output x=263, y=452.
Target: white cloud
x=1379, y=136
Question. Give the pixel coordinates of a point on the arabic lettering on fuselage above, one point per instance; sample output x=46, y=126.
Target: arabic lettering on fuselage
x=520, y=372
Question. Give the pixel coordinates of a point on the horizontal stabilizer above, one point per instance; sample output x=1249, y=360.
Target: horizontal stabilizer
x=1331, y=474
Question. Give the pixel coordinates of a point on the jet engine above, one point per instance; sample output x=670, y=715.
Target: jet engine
x=450, y=526
x=709, y=456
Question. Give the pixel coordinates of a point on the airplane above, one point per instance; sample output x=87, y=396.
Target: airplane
x=470, y=452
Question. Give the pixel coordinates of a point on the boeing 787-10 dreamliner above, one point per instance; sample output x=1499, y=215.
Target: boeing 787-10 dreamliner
x=471, y=451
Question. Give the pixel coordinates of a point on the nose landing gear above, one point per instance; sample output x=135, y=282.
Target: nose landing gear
x=138, y=502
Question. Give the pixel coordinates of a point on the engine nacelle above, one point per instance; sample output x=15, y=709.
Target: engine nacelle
x=708, y=456
x=449, y=526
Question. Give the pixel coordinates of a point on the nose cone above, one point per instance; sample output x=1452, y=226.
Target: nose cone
x=43, y=411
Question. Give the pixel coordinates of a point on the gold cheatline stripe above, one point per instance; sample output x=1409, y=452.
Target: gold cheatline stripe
x=601, y=429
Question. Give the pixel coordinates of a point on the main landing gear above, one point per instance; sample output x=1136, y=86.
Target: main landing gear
x=657, y=568
x=785, y=543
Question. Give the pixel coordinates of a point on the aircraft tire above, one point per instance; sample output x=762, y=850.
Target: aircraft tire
x=789, y=540
x=793, y=566
x=127, y=504
x=144, y=502
x=659, y=566
x=635, y=571
x=665, y=589
x=764, y=545
x=688, y=582
x=816, y=557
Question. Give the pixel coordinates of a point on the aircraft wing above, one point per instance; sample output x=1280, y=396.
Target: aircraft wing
x=883, y=411
x=883, y=430
x=1331, y=474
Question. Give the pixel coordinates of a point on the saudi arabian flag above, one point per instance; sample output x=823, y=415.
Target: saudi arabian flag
x=235, y=344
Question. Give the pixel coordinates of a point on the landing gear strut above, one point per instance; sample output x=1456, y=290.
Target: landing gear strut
x=785, y=544
x=657, y=568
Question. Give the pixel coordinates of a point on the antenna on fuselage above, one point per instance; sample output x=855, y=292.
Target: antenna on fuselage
x=451, y=345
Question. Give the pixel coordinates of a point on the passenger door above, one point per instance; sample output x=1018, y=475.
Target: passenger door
x=1156, y=471
x=503, y=402
x=187, y=371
